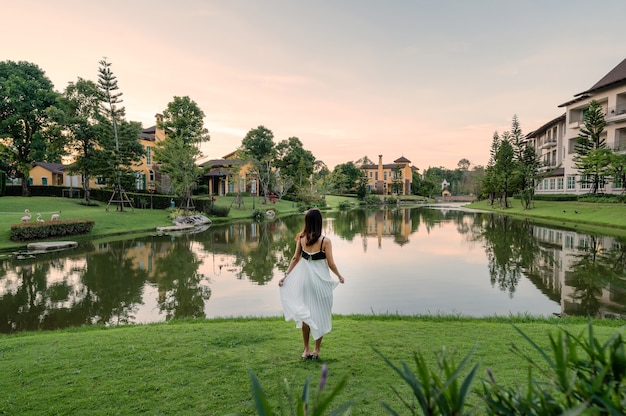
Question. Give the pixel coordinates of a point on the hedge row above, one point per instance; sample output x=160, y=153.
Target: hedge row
x=41, y=230
x=139, y=199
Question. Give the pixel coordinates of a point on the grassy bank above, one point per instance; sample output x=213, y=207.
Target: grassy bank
x=603, y=218
x=201, y=367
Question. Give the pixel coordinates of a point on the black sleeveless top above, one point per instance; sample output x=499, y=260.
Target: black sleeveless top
x=320, y=255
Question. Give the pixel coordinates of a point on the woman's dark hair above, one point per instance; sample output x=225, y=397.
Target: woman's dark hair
x=312, y=226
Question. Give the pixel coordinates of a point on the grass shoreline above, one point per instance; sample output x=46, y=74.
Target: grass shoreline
x=595, y=218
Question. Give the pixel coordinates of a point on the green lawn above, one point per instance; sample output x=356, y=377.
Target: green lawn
x=202, y=367
x=604, y=218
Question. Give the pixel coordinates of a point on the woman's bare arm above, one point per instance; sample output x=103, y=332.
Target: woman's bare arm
x=294, y=260
x=328, y=248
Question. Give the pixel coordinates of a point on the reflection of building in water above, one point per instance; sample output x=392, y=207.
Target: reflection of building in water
x=389, y=223
x=579, y=272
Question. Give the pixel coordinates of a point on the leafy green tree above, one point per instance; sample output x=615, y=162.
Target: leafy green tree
x=475, y=180
x=321, y=177
x=258, y=148
x=592, y=158
x=26, y=96
x=516, y=138
x=529, y=170
x=364, y=161
x=416, y=180
x=490, y=184
x=118, y=138
x=617, y=169
x=463, y=164
x=79, y=113
x=183, y=121
x=295, y=163
x=505, y=169
x=345, y=177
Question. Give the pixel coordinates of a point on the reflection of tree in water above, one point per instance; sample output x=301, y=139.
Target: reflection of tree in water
x=511, y=248
x=107, y=294
x=349, y=224
x=430, y=218
x=182, y=292
x=25, y=308
x=113, y=284
x=595, y=269
x=271, y=251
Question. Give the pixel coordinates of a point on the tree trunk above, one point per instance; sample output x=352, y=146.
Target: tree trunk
x=86, y=189
x=25, y=187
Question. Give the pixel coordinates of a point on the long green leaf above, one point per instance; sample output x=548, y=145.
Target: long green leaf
x=260, y=399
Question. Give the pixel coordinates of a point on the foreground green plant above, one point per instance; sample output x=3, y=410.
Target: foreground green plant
x=585, y=377
x=437, y=392
x=308, y=403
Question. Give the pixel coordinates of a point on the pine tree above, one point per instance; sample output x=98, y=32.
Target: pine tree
x=592, y=156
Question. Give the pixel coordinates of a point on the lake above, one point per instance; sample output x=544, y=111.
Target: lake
x=407, y=261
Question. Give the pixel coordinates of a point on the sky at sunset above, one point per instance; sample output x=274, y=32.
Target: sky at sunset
x=427, y=80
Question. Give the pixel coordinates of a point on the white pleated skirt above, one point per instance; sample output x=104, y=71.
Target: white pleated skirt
x=307, y=296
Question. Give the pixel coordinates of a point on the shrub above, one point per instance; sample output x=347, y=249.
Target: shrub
x=258, y=215
x=391, y=200
x=344, y=205
x=203, y=189
x=608, y=198
x=49, y=229
x=555, y=197
x=371, y=200
x=218, y=211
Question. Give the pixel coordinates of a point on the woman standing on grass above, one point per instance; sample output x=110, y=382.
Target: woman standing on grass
x=307, y=288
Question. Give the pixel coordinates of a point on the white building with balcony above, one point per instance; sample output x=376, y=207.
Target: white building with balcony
x=556, y=140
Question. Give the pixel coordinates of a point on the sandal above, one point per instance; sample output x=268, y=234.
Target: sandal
x=306, y=356
x=314, y=357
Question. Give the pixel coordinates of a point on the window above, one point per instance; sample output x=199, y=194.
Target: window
x=617, y=182
x=540, y=186
x=385, y=175
x=149, y=155
x=552, y=183
x=559, y=183
x=376, y=176
x=140, y=181
x=370, y=174
x=571, y=146
x=571, y=182
x=44, y=181
x=585, y=182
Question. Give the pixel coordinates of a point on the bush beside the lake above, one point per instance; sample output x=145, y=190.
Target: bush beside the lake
x=43, y=230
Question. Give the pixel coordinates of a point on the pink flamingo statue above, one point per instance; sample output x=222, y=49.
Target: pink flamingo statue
x=26, y=217
x=54, y=217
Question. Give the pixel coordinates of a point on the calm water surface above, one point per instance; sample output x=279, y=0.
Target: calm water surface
x=405, y=261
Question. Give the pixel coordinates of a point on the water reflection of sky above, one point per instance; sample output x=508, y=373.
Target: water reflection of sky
x=435, y=272
x=393, y=263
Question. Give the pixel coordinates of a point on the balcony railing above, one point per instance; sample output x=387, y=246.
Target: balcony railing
x=548, y=143
x=616, y=113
